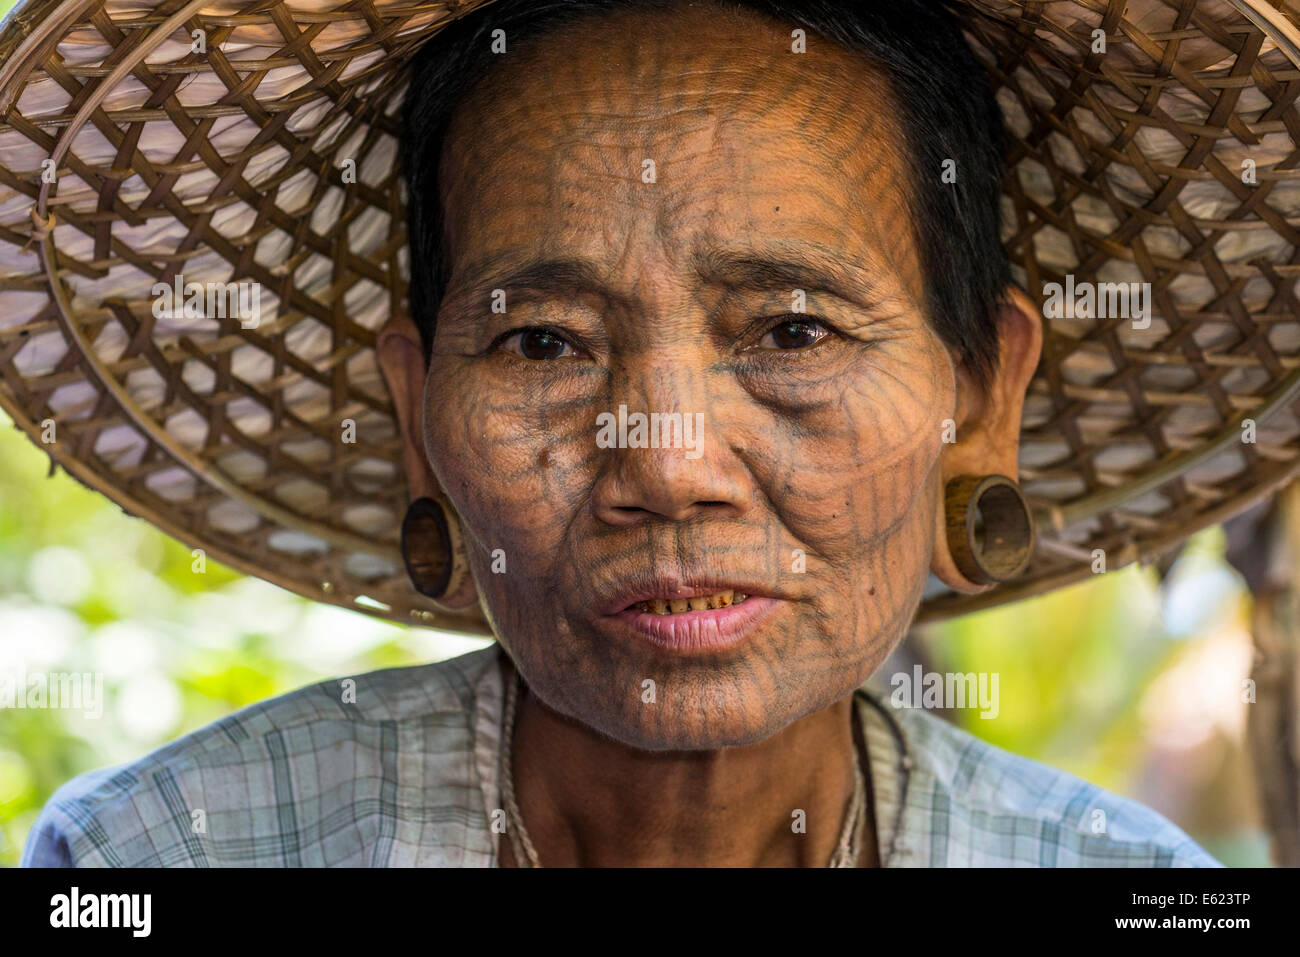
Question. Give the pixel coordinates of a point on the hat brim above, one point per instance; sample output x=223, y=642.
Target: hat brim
x=1125, y=167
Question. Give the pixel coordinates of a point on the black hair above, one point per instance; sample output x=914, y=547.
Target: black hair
x=948, y=113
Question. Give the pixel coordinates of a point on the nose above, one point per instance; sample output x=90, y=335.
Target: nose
x=665, y=457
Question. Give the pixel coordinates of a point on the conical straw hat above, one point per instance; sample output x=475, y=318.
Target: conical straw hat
x=1169, y=159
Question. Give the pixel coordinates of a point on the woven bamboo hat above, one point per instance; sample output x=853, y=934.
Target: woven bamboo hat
x=127, y=158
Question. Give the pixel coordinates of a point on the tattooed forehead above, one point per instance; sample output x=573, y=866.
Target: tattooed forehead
x=678, y=60
x=570, y=120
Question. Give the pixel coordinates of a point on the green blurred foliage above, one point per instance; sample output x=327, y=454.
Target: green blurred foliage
x=85, y=588
x=1099, y=679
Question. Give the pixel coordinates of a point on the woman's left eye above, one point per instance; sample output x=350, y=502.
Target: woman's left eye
x=794, y=334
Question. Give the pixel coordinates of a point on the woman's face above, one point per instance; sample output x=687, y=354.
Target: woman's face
x=681, y=216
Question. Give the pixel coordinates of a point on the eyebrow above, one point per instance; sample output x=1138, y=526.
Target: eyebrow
x=796, y=266
x=784, y=267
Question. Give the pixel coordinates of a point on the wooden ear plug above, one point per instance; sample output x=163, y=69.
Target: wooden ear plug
x=990, y=527
x=427, y=547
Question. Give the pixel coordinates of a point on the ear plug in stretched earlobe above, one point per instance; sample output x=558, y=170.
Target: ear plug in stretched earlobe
x=427, y=547
x=990, y=527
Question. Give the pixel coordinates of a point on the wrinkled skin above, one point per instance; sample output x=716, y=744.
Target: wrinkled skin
x=822, y=430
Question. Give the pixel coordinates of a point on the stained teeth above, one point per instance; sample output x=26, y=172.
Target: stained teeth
x=671, y=606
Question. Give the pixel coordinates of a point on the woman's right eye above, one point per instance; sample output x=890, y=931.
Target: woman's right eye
x=538, y=344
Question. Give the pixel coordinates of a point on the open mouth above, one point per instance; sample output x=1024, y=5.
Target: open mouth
x=684, y=619
x=677, y=606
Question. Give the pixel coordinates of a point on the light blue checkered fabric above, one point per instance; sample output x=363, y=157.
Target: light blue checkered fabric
x=405, y=774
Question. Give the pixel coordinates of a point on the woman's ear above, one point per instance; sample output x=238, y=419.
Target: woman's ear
x=401, y=361
x=987, y=422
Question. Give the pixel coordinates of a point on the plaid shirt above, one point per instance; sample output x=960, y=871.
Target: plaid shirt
x=404, y=772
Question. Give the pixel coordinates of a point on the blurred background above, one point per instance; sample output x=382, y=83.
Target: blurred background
x=1128, y=681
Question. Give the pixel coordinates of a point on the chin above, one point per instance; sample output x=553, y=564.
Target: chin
x=698, y=708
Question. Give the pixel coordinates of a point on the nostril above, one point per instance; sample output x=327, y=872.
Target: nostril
x=625, y=515
x=636, y=513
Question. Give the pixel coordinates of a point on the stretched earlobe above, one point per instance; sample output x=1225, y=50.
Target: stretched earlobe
x=426, y=548
x=984, y=527
x=432, y=545
x=989, y=527
x=434, y=555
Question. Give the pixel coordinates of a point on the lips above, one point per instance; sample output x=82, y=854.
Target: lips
x=702, y=617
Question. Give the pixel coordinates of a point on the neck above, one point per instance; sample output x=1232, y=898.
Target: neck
x=588, y=801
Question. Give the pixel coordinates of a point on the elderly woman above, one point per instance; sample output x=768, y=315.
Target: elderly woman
x=713, y=360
